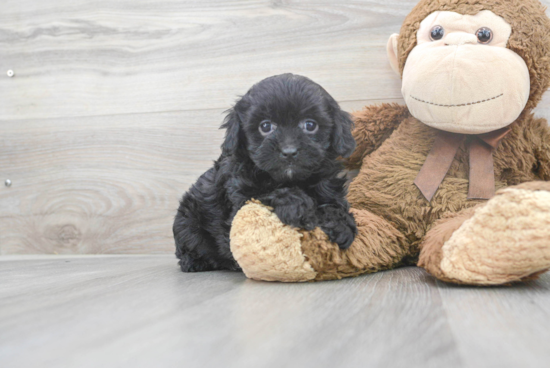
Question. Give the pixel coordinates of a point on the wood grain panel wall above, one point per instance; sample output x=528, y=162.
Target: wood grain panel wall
x=114, y=107
x=83, y=58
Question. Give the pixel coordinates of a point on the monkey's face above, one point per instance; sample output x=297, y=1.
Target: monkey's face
x=461, y=77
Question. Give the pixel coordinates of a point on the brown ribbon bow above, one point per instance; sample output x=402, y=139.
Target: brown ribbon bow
x=440, y=158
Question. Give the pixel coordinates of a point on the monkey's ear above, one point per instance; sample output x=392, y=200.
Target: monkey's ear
x=391, y=49
x=232, y=126
x=343, y=142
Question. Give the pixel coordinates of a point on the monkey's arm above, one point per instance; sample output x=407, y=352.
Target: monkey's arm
x=373, y=125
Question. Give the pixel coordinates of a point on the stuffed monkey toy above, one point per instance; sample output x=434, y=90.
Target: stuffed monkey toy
x=456, y=181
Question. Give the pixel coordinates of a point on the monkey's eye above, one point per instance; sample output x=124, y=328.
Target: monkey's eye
x=309, y=126
x=267, y=127
x=437, y=33
x=484, y=35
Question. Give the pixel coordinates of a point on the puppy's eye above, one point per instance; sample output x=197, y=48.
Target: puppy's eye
x=267, y=127
x=310, y=127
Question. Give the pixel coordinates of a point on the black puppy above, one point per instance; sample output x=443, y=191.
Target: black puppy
x=281, y=144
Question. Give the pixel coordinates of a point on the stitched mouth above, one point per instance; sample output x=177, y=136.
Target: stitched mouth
x=464, y=104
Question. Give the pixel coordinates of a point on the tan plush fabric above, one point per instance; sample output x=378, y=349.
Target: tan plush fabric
x=391, y=51
x=459, y=85
x=529, y=38
x=266, y=249
x=439, y=234
x=505, y=241
x=458, y=26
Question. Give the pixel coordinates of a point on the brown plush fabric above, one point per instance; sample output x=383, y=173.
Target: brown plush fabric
x=494, y=243
x=529, y=38
x=385, y=183
x=378, y=246
x=534, y=276
x=373, y=125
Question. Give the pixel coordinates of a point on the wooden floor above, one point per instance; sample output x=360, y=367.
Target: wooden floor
x=141, y=311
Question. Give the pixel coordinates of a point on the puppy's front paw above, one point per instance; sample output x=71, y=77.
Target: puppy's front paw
x=300, y=215
x=293, y=207
x=340, y=234
x=190, y=264
x=339, y=225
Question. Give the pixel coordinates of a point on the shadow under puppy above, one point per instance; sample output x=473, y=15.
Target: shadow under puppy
x=281, y=146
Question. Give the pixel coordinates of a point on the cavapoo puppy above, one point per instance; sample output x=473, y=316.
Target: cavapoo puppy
x=282, y=141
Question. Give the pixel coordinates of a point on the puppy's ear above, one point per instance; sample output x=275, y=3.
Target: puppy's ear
x=232, y=126
x=234, y=137
x=343, y=142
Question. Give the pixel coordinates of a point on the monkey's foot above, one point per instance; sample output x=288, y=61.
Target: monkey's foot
x=507, y=240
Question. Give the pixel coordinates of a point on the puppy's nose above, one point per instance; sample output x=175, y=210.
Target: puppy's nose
x=289, y=151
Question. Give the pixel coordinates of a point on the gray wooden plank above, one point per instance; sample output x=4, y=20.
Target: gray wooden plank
x=81, y=58
x=101, y=184
x=141, y=311
x=104, y=184
x=500, y=326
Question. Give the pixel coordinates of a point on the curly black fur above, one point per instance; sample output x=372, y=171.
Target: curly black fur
x=291, y=169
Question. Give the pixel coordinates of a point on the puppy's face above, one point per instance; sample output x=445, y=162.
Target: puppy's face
x=289, y=126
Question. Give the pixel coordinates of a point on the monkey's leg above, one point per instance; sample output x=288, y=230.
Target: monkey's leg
x=506, y=240
x=378, y=246
x=268, y=250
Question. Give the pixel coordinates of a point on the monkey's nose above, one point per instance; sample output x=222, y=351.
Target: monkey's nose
x=460, y=38
x=289, y=151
